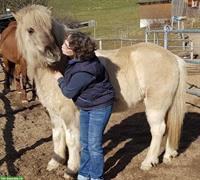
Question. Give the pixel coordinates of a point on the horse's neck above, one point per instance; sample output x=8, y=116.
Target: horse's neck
x=45, y=84
x=51, y=96
x=43, y=76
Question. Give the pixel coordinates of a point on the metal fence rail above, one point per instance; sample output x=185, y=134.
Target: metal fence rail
x=193, y=90
x=115, y=43
x=163, y=35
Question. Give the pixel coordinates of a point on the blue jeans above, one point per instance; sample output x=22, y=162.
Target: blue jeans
x=92, y=125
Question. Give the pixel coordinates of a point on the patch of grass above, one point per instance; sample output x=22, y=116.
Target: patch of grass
x=114, y=18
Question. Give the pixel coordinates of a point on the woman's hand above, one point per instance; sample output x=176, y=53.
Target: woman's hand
x=57, y=75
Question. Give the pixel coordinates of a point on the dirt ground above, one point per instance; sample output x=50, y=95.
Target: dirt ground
x=26, y=142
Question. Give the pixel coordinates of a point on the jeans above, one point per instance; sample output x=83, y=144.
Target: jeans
x=92, y=125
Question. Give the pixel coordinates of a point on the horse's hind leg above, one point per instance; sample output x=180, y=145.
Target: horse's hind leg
x=6, y=83
x=58, y=142
x=19, y=82
x=23, y=90
x=169, y=153
x=156, y=121
x=17, y=74
x=24, y=79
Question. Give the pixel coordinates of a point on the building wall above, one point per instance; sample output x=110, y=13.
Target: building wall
x=155, y=11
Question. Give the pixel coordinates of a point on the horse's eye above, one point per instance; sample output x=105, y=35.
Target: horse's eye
x=30, y=30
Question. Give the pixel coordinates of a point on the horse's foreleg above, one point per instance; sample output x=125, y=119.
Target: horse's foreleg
x=72, y=141
x=157, y=126
x=58, y=142
x=17, y=74
x=24, y=80
x=34, y=94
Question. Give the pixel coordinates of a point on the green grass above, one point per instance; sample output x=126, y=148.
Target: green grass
x=114, y=18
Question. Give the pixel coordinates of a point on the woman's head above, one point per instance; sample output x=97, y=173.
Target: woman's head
x=80, y=44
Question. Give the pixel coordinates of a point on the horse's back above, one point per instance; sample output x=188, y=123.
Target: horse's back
x=143, y=57
x=9, y=30
x=154, y=61
x=9, y=44
x=141, y=68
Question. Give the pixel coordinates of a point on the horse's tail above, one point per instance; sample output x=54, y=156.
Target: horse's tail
x=177, y=110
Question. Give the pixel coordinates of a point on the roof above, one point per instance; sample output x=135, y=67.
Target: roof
x=153, y=1
x=152, y=11
x=5, y=19
x=6, y=16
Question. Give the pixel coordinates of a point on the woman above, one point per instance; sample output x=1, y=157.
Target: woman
x=86, y=82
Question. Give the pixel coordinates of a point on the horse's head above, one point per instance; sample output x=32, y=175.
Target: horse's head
x=34, y=35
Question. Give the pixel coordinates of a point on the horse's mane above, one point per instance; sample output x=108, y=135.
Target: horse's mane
x=31, y=15
x=36, y=14
x=40, y=16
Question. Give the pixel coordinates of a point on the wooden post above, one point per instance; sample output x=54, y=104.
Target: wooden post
x=100, y=44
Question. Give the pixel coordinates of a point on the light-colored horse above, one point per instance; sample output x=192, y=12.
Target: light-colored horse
x=37, y=44
x=143, y=72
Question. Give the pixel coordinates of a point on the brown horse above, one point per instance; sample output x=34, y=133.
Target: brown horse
x=12, y=59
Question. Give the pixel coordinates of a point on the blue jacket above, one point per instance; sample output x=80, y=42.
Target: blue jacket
x=87, y=83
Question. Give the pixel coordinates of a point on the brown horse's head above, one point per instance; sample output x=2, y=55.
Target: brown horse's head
x=34, y=35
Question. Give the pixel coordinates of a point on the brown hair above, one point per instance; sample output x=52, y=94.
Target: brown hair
x=82, y=45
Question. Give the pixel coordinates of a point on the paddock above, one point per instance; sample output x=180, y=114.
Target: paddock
x=126, y=148
x=26, y=147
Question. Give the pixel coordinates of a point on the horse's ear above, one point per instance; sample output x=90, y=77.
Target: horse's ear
x=16, y=16
x=50, y=10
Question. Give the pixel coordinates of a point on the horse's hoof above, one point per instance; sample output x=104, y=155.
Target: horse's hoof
x=70, y=174
x=53, y=164
x=145, y=167
x=167, y=160
x=24, y=101
x=169, y=156
x=67, y=176
x=148, y=165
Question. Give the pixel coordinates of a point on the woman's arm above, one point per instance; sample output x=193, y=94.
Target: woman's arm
x=77, y=82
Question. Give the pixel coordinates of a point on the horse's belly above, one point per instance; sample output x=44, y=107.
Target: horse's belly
x=127, y=91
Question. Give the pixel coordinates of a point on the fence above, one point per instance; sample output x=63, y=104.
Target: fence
x=116, y=43
x=177, y=41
